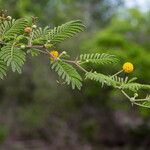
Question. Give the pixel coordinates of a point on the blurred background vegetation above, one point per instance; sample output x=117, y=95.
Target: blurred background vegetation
x=38, y=113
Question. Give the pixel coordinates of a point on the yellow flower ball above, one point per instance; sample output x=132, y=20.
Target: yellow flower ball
x=54, y=54
x=128, y=67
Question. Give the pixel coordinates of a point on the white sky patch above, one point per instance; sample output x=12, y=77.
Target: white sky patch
x=143, y=5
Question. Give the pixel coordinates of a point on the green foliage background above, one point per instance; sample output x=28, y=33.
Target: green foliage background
x=36, y=108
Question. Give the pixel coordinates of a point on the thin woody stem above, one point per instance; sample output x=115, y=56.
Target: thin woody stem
x=126, y=95
x=37, y=48
x=140, y=100
x=81, y=67
x=141, y=105
x=134, y=101
x=50, y=54
x=41, y=51
x=69, y=61
x=76, y=63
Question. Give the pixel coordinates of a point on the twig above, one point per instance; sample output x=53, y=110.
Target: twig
x=75, y=62
x=35, y=46
x=126, y=95
x=81, y=67
x=140, y=100
x=133, y=101
x=41, y=51
x=141, y=105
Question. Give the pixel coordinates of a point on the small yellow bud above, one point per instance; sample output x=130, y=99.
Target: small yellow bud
x=54, y=54
x=128, y=67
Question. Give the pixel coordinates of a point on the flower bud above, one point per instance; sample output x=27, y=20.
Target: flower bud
x=34, y=26
x=136, y=95
x=9, y=18
x=28, y=30
x=64, y=52
x=22, y=46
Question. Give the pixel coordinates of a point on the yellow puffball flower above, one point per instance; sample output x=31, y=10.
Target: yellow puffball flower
x=54, y=54
x=128, y=67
